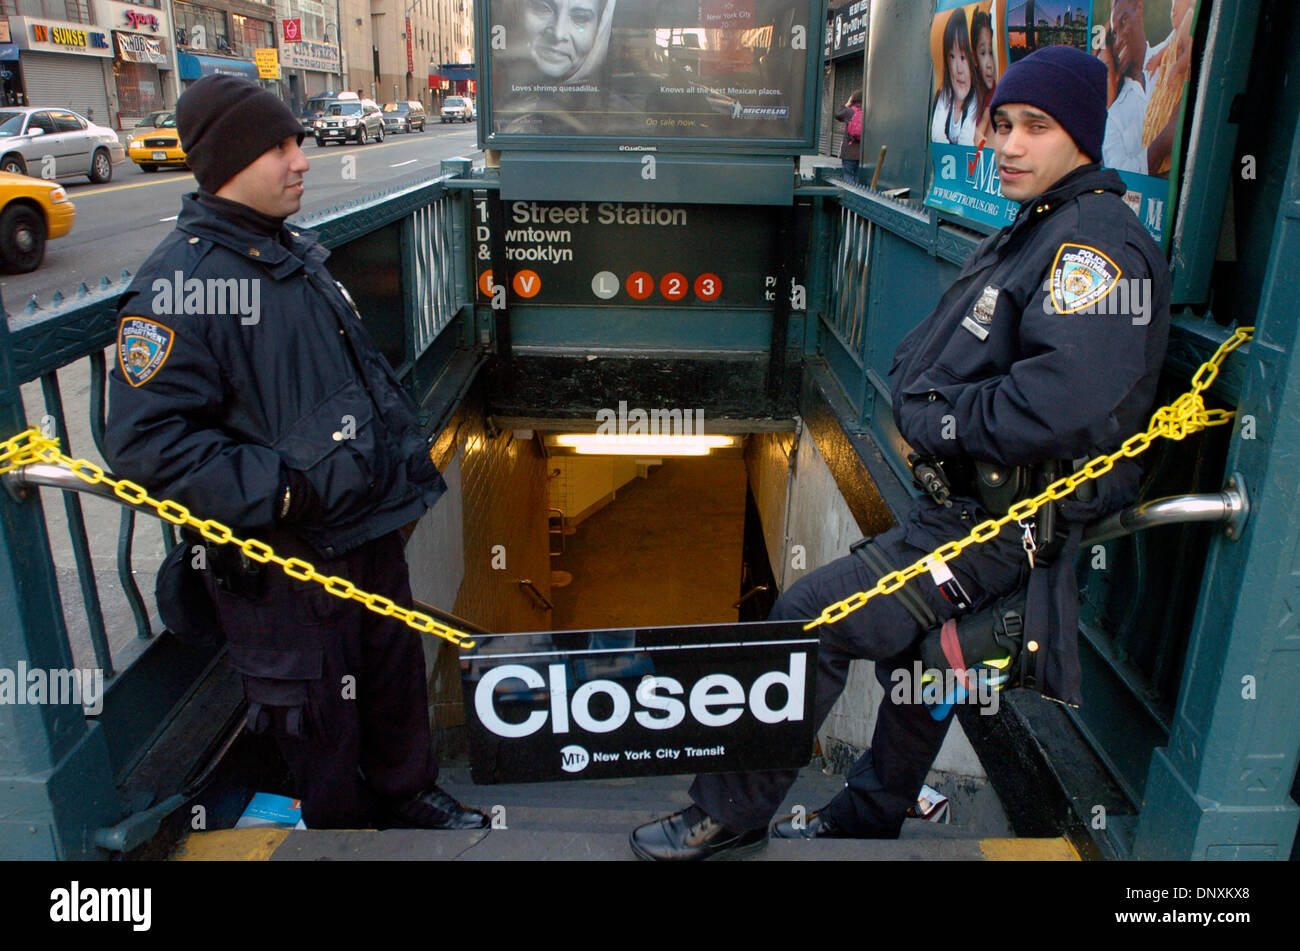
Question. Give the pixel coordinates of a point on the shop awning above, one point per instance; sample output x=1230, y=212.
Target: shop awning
x=196, y=67
x=455, y=72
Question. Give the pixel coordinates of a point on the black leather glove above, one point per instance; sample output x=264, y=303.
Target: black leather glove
x=304, y=503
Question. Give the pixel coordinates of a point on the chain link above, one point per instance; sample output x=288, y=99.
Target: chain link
x=32, y=446
x=1186, y=415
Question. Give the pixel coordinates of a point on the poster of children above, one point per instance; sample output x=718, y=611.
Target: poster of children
x=1146, y=46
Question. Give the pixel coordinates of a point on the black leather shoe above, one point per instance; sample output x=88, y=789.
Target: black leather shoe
x=435, y=809
x=691, y=836
x=811, y=826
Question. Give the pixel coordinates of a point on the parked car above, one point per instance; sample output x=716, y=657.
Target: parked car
x=457, y=107
x=57, y=143
x=405, y=116
x=345, y=120
x=154, y=119
x=159, y=147
x=315, y=107
x=32, y=210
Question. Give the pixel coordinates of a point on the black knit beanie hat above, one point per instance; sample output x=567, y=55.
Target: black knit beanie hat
x=226, y=123
x=1067, y=84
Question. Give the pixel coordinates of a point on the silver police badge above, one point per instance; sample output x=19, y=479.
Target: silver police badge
x=983, y=313
x=985, y=306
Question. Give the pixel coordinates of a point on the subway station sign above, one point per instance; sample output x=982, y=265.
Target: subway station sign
x=632, y=254
x=561, y=705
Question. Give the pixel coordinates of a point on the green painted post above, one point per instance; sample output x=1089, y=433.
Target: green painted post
x=56, y=787
x=1222, y=787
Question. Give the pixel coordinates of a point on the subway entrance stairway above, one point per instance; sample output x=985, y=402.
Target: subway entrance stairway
x=665, y=549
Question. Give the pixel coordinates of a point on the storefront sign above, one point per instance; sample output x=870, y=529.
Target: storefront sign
x=138, y=20
x=971, y=45
x=68, y=36
x=137, y=48
x=310, y=54
x=613, y=704
x=846, y=31
x=4, y=32
x=410, y=49
x=268, y=64
x=292, y=29
x=55, y=36
x=132, y=18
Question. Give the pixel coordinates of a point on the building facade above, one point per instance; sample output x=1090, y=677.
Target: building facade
x=395, y=48
x=115, y=62
x=310, y=55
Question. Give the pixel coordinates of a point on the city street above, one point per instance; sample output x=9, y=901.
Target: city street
x=118, y=224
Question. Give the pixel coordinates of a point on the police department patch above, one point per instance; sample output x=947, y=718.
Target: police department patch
x=142, y=348
x=1081, y=276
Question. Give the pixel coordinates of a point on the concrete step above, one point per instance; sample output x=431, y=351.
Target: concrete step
x=591, y=821
x=399, y=845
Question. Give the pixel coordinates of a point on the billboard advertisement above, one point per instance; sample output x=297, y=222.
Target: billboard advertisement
x=1147, y=50
x=731, y=75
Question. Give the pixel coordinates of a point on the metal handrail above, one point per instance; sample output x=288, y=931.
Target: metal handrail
x=1231, y=507
x=749, y=594
x=531, y=588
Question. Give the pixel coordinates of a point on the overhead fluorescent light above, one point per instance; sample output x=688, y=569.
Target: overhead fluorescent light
x=591, y=444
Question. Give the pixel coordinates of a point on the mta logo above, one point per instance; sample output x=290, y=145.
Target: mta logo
x=574, y=759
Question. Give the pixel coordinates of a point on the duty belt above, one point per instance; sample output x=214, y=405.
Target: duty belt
x=909, y=598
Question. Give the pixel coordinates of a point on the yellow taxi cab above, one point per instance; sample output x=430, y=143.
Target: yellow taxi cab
x=158, y=147
x=31, y=210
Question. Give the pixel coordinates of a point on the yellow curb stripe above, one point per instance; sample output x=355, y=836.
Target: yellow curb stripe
x=230, y=845
x=1028, y=850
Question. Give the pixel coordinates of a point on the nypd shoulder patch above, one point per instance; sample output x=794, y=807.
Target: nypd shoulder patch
x=142, y=348
x=1081, y=277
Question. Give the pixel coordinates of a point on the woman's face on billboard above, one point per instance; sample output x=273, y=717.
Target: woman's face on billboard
x=561, y=33
x=959, y=70
x=984, y=56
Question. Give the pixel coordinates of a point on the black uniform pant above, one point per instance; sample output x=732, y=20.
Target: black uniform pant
x=883, y=784
x=342, y=689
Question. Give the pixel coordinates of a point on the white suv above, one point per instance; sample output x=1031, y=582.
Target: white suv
x=457, y=107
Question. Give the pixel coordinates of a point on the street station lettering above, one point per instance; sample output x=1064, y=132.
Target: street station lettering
x=607, y=213
x=716, y=700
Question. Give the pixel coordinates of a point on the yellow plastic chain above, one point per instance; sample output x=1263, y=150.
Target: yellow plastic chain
x=1186, y=415
x=32, y=446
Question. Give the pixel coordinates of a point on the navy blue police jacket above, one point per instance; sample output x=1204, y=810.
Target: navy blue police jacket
x=211, y=397
x=1048, y=346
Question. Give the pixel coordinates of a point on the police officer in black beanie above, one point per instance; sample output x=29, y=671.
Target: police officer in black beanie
x=1044, y=351
x=247, y=389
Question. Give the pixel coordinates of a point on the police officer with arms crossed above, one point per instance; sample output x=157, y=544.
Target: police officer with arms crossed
x=280, y=418
x=1045, y=350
